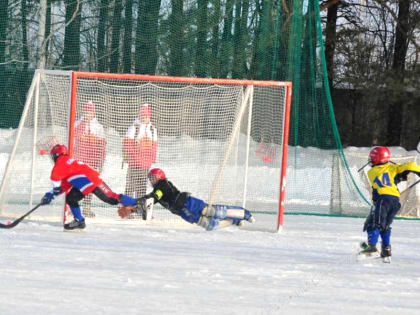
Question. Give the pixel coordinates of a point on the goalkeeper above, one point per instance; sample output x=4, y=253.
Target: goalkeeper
x=191, y=209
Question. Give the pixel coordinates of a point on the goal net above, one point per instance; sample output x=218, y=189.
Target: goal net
x=348, y=206
x=221, y=140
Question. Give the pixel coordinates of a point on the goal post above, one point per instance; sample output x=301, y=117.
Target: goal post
x=223, y=140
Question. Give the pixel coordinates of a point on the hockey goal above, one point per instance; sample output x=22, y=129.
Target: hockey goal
x=208, y=132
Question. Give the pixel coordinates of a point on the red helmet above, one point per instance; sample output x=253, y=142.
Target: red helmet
x=58, y=150
x=379, y=155
x=155, y=175
x=89, y=107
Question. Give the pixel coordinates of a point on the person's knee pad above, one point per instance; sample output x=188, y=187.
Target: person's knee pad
x=215, y=212
x=208, y=224
x=73, y=198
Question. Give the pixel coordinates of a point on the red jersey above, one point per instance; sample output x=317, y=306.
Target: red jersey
x=140, y=145
x=90, y=142
x=73, y=173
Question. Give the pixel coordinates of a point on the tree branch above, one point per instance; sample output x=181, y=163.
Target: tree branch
x=330, y=3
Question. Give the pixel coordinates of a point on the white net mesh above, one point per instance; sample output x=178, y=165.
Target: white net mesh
x=26, y=177
x=410, y=205
x=221, y=142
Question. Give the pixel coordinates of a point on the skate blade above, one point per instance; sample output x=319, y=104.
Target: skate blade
x=386, y=260
x=362, y=256
x=75, y=231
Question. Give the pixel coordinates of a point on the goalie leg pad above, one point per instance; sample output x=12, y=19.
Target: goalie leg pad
x=215, y=211
x=208, y=224
x=227, y=212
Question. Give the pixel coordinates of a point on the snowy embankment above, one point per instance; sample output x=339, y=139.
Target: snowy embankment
x=310, y=268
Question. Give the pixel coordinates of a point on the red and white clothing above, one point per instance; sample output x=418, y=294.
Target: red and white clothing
x=68, y=173
x=90, y=143
x=140, y=144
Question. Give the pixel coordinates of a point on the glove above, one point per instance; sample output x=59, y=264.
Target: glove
x=125, y=211
x=48, y=197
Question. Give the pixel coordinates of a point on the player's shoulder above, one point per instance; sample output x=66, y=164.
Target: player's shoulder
x=61, y=167
x=63, y=159
x=162, y=182
x=409, y=166
x=381, y=168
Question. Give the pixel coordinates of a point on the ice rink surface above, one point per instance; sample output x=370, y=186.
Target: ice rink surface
x=309, y=268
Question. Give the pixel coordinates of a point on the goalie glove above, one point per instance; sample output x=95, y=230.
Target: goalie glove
x=125, y=211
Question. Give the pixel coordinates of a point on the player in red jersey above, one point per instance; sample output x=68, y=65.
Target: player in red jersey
x=78, y=180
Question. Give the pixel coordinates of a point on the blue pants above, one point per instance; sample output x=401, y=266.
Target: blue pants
x=193, y=209
x=378, y=223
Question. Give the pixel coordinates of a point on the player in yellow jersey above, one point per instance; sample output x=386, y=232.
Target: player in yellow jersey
x=384, y=177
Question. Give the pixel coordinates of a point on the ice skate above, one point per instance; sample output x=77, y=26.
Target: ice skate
x=386, y=253
x=368, y=249
x=75, y=225
x=249, y=217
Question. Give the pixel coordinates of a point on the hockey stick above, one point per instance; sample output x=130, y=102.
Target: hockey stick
x=369, y=163
x=409, y=187
x=363, y=167
x=17, y=221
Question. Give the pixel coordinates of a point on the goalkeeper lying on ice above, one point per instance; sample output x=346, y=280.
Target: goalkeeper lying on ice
x=191, y=209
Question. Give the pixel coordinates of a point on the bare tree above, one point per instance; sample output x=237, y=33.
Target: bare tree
x=72, y=34
x=128, y=36
x=146, y=36
x=176, y=40
x=396, y=111
x=25, y=51
x=239, y=69
x=101, y=53
x=215, y=40
x=115, y=42
x=226, y=44
x=4, y=5
x=330, y=39
x=201, y=49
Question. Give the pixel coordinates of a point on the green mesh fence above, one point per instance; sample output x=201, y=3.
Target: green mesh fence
x=242, y=39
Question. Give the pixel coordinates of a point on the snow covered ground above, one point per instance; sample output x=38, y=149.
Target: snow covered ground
x=310, y=268
x=136, y=268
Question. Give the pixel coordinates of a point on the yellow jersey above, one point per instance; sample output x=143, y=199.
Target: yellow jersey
x=385, y=177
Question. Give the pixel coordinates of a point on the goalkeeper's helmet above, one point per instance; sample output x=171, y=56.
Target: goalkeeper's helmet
x=155, y=175
x=58, y=150
x=145, y=111
x=89, y=107
x=379, y=155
